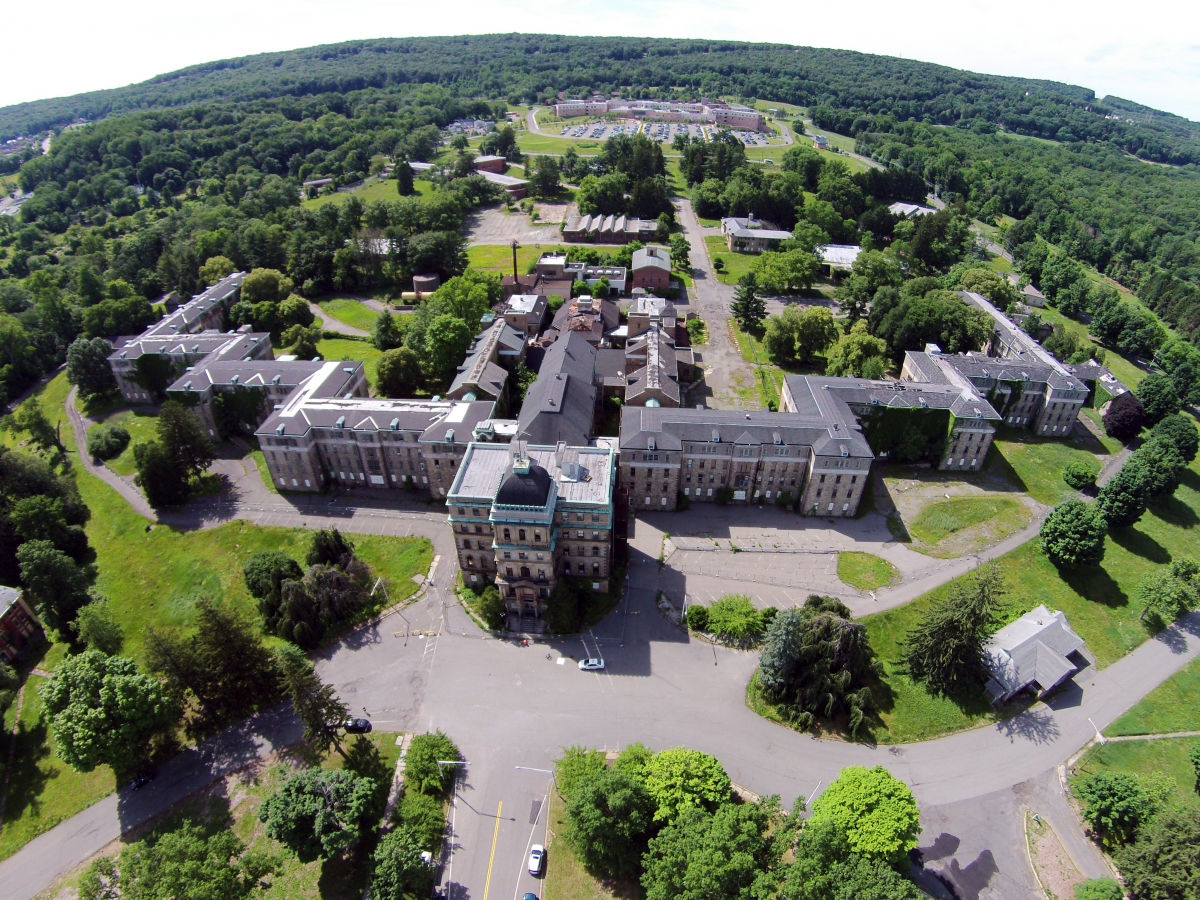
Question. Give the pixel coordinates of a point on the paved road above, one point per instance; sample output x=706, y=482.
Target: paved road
x=329, y=323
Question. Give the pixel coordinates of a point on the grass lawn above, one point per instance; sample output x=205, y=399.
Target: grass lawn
x=1165, y=756
x=865, y=571
x=1169, y=707
x=498, y=257
x=938, y=521
x=540, y=143
x=1127, y=372
x=373, y=189
x=1035, y=465
x=43, y=790
x=768, y=378
x=349, y=311
x=142, y=426
x=343, y=349
x=736, y=264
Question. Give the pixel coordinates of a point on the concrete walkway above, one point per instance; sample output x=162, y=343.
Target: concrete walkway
x=329, y=323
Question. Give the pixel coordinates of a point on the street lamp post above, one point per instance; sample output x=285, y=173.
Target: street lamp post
x=550, y=772
x=407, y=627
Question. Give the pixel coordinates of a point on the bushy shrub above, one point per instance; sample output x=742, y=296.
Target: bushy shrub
x=734, y=618
x=421, y=771
x=108, y=442
x=422, y=814
x=1081, y=474
x=697, y=618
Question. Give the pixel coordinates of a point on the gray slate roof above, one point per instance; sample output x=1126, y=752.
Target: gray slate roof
x=560, y=405
x=1031, y=650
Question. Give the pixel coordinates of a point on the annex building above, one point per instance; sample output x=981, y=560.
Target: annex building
x=738, y=117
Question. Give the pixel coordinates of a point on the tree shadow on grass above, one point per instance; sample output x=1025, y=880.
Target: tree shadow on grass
x=1095, y=584
x=1174, y=511
x=29, y=773
x=1140, y=544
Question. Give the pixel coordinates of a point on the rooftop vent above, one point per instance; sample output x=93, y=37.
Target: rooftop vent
x=449, y=435
x=275, y=380
x=280, y=428
x=234, y=379
x=340, y=423
x=394, y=425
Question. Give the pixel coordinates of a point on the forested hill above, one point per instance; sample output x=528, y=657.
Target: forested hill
x=531, y=68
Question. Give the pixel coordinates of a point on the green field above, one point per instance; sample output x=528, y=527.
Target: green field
x=736, y=264
x=865, y=571
x=373, y=189
x=1168, y=708
x=344, y=349
x=938, y=521
x=1035, y=465
x=349, y=311
x=43, y=790
x=1145, y=760
x=142, y=426
x=498, y=257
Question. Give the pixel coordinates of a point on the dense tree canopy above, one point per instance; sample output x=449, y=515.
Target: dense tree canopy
x=872, y=810
x=321, y=813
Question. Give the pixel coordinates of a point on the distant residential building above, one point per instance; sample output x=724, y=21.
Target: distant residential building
x=495, y=352
x=751, y=235
x=655, y=369
x=526, y=313
x=557, y=266
x=526, y=515
x=19, y=625
x=561, y=403
x=651, y=269
x=496, y=164
x=608, y=229
x=820, y=142
x=593, y=318
x=742, y=118
x=838, y=257
x=1037, y=652
x=909, y=210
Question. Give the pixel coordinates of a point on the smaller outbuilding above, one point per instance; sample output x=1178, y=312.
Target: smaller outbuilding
x=1037, y=652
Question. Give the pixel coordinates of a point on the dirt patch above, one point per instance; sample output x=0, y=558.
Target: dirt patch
x=901, y=493
x=1052, y=865
x=552, y=213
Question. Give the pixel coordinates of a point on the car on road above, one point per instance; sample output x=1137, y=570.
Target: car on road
x=537, y=859
x=529, y=895
x=591, y=665
x=356, y=726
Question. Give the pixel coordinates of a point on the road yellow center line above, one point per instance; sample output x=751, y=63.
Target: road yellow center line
x=492, y=858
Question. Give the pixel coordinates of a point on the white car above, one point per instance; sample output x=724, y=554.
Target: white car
x=591, y=665
x=537, y=858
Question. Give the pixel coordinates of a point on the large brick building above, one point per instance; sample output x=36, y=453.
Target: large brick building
x=525, y=516
x=19, y=626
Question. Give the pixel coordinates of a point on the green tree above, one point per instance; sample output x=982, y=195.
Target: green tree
x=1159, y=400
x=103, y=711
x=31, y=419
x=163, y=483
x=873, y=810
x=747, y=307
x=215, y=268
x=107, y=441
x=387, y=334
x=871, y=270
x=726, y=854
x=826, y=869
x=421, y=769
x=857, y=353
x=183, y=437
x=944, y=649
x=574, y=767
x=1115, y=804
x=265, y=572
x=1124, y=417
x=1098, y=889
x=1081, y=474
x=315, y=703
x=681, y=253
x=1164, y=863
x=1073, y=535
x=1171, y=592
x=1194, y=759
x=190, y=863
x=680, y=778
x=296, y=311
x=819, y=663
x=423, y=815
x=321, y=814
x=446, y=343
x=786, y=272
x=799, y=334
x=9, y=682
x=329, y=547
x=404, y=178
x=88, y=368
x=545, y=181
x=398, y=372
x=1179, y=430
x=1126, y=495
x=97, y=627
x=268, y=285
x=397, y=868
x=734, y=618
x=610, y=817
x=56, y=585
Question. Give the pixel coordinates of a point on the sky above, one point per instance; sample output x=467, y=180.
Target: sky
x=1148, y=52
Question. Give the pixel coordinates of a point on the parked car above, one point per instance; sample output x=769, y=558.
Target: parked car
x=356, y=726
x=591, y=665
x=537, y=859
x=530, y=895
